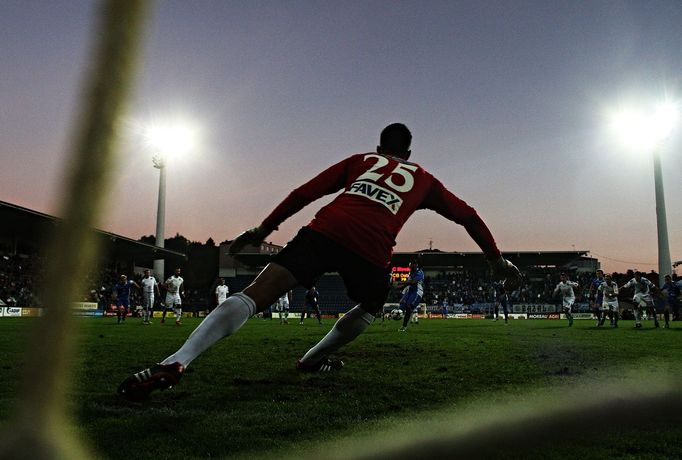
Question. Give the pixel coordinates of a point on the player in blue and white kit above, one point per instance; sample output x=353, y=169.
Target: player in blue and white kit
x=149, y=288
x=501, y=299
x=415, y=290
x=565, y=288
x=672, y=290
x=122, y=291
x=598, y=297
x=642, y=298
x=312, y=302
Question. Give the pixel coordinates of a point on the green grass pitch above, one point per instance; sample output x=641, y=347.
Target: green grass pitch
x=244, y=399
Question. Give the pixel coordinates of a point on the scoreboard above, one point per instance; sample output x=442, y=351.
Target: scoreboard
x=399, y=274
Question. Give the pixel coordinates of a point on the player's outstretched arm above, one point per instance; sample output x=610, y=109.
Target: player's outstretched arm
x=328, y=181
x=503, y=269
x=455, y=209
x=252, y=237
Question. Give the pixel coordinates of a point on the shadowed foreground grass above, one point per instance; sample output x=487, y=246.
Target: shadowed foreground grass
x=243, y=398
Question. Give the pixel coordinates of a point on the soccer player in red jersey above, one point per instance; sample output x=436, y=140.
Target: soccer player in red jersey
x=353, y=235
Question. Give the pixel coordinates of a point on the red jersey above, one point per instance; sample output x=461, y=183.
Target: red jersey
x=380, y=193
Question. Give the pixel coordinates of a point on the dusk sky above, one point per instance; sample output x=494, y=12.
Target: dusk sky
x=508, y=103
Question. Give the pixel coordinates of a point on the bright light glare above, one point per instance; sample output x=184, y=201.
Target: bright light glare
x=666, y=117
x=175, y=138
x=642, y=131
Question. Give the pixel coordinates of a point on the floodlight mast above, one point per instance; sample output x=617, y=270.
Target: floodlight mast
x=160, y=164
x=649, y=132
x=664, y=264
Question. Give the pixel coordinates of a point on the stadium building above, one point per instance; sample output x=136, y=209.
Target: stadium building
x=460, y=278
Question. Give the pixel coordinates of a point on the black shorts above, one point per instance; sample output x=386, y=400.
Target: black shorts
x=310, y=255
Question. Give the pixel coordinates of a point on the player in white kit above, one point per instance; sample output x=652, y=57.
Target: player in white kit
x=609, y=291
x=174, y=292
x=283, y=307
x=642, y=298
x=149, y=288
x=221, y=292
x=565, y=288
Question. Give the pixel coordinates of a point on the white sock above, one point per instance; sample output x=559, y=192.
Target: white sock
x=344, y=331
x=222, y=322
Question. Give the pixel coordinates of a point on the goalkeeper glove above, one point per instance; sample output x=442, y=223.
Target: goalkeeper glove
x=507, y=271
x=253, y=237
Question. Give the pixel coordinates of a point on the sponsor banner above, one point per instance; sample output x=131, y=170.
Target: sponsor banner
x=114, y=313
x=291, y=315
x=31, y=312
x=516, y=316
x=477, y=316
x=88, y=313
x=460, y=316
x=157, y=314
x=84, y=305
x=10, y=311
x=583, y=316
x=537, y=316
x=552, y=315
x=535, y=308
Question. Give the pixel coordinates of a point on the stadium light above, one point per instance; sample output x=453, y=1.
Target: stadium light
x=169, y=140
x=645, y=132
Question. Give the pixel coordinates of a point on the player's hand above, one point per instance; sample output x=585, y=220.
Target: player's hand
x=253, y=237
x=507, y=271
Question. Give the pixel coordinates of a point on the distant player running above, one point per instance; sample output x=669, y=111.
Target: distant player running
x=282, y=307
x=444, y=309
x=221, y=292
x=353, y=235
x=672, y=291
x=501, y=300
x=149, y=288
x=414, y=292
x=122, y=290
x=174, y=293
x=597, y=298
x=312, y=302
x=609, y=291
x=565, y=289
x=642, y=298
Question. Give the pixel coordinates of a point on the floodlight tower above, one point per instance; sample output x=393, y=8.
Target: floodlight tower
x=647, y=132
x=664, y=264
x=170, y=139
x=160, y=164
